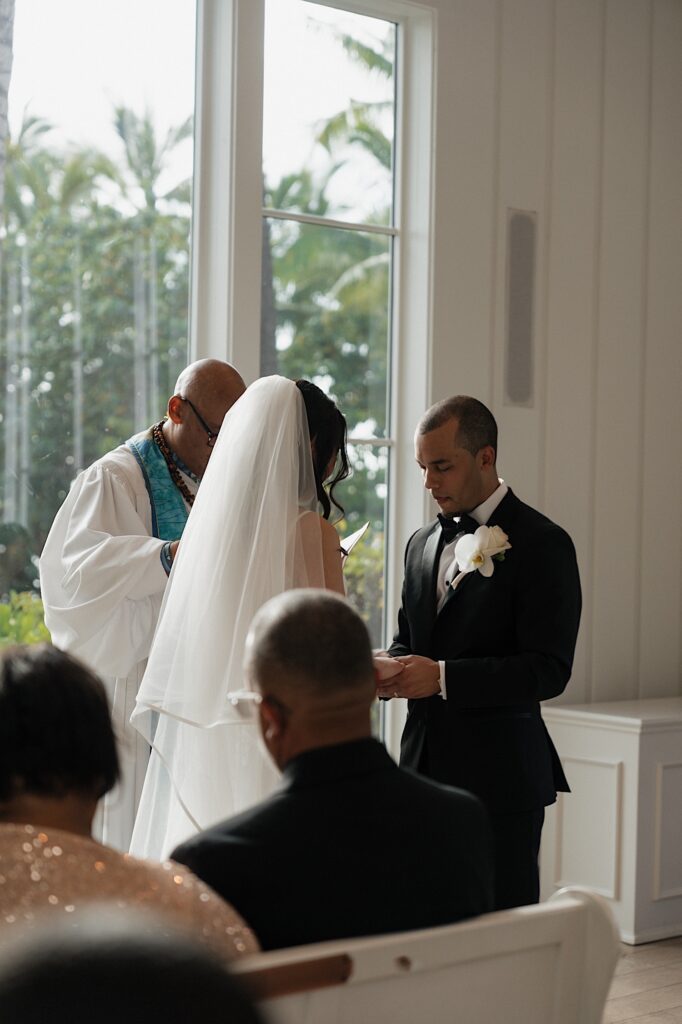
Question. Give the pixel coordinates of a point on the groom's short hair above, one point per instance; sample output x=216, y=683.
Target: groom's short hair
x=476, y=424
x=312, y=639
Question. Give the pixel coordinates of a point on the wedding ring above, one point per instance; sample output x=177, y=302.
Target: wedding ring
x=395, y=693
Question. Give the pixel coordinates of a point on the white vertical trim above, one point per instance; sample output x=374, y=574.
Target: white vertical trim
x=659, y=893
x=226, y=227
x=644, y=369
x=412, y=351
x=616, y=768
x=495, y=200
x=541, y=382
x=588, y=569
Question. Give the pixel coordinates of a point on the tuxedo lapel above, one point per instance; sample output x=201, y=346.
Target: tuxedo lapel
x=452, y=592
x=505, y=513
x=502, y=516
x=429, y=573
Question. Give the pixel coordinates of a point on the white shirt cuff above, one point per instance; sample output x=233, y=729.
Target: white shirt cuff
x=443, y=687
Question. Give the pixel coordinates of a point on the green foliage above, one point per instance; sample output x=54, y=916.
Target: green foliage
x=21, y=620
x=81, y=263
x=326, y=311
x=364, y=576
x=330, y=288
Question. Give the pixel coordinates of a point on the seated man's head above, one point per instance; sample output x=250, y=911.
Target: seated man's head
x=308, y=654
x=57, y=748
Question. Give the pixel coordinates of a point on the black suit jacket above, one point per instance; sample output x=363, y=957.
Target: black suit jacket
x=351, y=845
x=507, y=642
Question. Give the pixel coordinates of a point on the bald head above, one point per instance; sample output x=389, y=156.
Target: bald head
x=209, y=380
x=312, y=645
x=204, y=392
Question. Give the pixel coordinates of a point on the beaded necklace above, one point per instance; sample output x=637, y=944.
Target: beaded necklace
x=176, y=476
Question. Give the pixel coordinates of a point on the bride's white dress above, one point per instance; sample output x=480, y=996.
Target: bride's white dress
x=253, y=532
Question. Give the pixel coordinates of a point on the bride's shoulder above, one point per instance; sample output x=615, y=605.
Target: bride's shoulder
x=319, y=537
x=311, y=522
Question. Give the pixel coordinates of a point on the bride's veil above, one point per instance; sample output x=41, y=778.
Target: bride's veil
x=253, y=532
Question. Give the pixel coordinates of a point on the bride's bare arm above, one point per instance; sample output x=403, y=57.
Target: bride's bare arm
x=321, y=544
x=331, y=559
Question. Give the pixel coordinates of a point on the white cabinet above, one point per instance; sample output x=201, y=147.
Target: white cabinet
x=619, y=831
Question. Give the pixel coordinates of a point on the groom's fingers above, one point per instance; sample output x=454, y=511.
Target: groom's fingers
x=419, y=678
x=386, y=693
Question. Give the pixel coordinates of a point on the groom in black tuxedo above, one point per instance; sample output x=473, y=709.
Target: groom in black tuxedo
x=478, y=656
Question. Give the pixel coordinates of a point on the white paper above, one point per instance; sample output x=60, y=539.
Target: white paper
x=349, y=542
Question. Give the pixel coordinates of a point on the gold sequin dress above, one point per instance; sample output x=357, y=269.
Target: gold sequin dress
x=50, y=872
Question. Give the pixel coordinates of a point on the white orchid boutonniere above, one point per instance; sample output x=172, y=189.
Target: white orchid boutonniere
x=480, y=550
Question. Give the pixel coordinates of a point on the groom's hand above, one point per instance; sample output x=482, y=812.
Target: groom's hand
x=420, y=677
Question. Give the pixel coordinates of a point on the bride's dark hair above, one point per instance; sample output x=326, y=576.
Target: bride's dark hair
x=327, y=428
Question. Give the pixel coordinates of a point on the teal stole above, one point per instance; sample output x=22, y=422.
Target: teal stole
x=169, y=512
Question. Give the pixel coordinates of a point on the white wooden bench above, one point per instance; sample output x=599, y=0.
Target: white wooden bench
x=545, y=964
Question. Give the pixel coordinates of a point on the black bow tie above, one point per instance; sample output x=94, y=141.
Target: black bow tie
x=452, y=527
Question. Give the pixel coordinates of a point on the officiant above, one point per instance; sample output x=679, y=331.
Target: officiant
x=107, y=557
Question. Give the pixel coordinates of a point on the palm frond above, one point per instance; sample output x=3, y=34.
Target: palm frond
x=366, y=55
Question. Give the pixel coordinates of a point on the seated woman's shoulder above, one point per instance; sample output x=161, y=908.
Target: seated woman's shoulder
x=197, y=907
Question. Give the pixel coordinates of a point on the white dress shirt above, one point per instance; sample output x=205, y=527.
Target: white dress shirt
x=447, y=567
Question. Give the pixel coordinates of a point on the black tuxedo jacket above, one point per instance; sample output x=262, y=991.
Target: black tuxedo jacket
x=351, y=845
x=507, y=642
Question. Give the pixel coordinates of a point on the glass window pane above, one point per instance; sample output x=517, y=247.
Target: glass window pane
x=325, y=315
x=94, y=261
x=364, y=499
x=328, y=117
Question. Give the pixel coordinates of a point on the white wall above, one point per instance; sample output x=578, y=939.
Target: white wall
x=573, y=109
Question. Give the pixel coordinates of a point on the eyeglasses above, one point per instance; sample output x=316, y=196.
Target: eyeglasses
x=212, y=435
x=267, y=698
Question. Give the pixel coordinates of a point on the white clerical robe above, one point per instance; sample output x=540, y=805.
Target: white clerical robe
x=102, y=584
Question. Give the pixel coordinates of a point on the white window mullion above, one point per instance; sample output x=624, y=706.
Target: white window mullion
x=226, y=239
x=413, y=301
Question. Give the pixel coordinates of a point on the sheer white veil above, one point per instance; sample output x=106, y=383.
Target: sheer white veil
x=254, y=532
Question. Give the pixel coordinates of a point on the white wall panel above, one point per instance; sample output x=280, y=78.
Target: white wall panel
x=661, y=481
x=571, y=109
x=526, y=59
x=668, y=834
x=618, y=428
x=466, y=199
x=593, y=811
x=572, y=260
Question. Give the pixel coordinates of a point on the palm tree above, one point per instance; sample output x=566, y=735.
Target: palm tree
x=6, y=36
x=308, y=271
x=26, y=187
x=146, y=159
x=328, y=288
x=40, y=188
x=362, y=123
x=81, y=175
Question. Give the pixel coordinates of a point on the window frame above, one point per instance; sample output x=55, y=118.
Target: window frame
x=225, y=284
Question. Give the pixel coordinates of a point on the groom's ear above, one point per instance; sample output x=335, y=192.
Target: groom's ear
x=486, y=457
